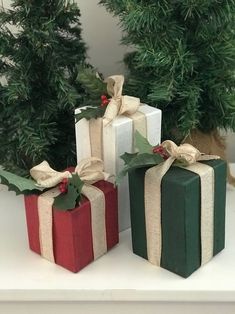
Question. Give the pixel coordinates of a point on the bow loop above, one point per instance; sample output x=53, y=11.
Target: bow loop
x=91, y=170
x=115, y=86
x=118, y=105
x=46, y=177
x=129, y=105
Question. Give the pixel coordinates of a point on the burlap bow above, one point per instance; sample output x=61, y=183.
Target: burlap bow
x=118, y=105
x=90, y=170
x=186, y=155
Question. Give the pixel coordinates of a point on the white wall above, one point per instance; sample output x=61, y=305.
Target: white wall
x=102, y=34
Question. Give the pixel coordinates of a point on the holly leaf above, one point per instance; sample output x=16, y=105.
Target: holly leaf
x=128, y=157
x=139, y=161
x=69, y=200
x=66, y=201
x=19, y=184
x=90, y=113
x=76, y=182
x=142, y=144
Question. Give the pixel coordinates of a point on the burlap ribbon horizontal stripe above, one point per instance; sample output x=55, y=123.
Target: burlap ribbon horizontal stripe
x=90, y=170
x=153, y=178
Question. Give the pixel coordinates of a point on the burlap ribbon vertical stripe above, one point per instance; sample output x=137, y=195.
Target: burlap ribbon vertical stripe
x=152, y=197
x=153, y=179
x=97, y=201
x=97, y=130
x=207, y=179
x=96, y=137
x=45, y=216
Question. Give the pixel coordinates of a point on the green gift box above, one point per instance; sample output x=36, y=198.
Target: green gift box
x=181, y=240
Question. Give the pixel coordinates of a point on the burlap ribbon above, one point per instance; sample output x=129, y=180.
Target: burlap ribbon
x=189, y=156
x=118, y=106
x=90, y=170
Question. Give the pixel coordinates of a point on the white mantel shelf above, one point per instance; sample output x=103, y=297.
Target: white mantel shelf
x=118, y=276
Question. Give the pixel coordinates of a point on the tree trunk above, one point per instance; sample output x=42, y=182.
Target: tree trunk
x=210, y=143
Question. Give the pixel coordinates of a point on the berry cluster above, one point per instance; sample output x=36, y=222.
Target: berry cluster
x=161, y=151
x=104, y=101
x=63, y=186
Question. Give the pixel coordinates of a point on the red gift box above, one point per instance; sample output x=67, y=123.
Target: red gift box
x=72, y=230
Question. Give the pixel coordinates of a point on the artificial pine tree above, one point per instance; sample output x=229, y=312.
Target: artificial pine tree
x=183, y=62
x=94, y=86
x=41, y=63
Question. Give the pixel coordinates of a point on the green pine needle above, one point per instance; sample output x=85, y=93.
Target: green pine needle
x=41, y=63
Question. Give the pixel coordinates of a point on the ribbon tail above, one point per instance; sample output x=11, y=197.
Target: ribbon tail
x=111, y=111
x=115, y=85
x=208, y=157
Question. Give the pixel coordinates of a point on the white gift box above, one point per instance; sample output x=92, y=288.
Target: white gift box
x=117, y=139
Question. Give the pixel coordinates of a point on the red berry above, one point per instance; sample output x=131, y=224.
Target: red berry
x=63, y=188
x=161, y=151
x=103, y=97
x=65, y=181
x=105, y=102
x=158, y=150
